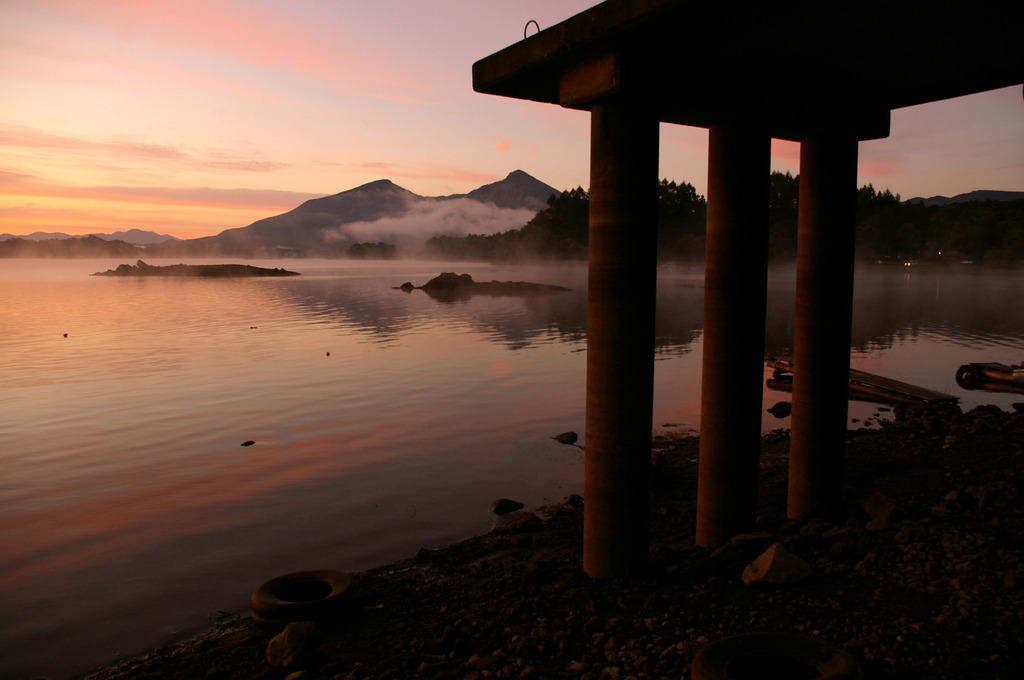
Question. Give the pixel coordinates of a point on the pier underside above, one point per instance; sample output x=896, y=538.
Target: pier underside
x=824, y=74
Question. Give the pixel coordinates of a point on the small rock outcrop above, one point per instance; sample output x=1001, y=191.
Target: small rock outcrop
x=878, y=507
x=289, y=647
x=778, y=566
x=449, y=287
x=517, y=522
x=566, y=438
x=503, y=506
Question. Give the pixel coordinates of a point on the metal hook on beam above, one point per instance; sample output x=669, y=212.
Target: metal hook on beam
x=527, y=26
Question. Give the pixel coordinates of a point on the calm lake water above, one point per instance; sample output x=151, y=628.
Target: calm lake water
x=383, y=421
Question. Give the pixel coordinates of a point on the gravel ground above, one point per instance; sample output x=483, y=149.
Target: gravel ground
x=925, y=580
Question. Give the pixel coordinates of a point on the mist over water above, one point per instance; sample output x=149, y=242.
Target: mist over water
x=383, y=422
x=450, y=217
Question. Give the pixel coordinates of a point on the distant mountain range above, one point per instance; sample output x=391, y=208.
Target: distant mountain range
x=134, y=236
x=380, y=211
x=970, y=196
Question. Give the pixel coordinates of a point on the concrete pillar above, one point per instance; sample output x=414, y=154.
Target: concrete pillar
x=824, y=309
x=620, y=336
x=735, y=291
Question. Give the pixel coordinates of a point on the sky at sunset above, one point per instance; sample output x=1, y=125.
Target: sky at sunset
x=188, y=117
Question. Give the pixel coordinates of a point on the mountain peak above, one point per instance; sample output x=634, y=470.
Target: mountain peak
x=518, y=190
x=377, y=184
x=379, y=210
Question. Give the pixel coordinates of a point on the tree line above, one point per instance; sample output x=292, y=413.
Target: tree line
x=888, y=229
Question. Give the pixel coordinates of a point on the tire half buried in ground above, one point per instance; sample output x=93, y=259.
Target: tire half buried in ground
x=299, y=596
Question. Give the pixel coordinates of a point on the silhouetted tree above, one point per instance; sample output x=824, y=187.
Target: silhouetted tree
x=783, y=198
x=887, y=228
x=682, y=216
x=372, y=251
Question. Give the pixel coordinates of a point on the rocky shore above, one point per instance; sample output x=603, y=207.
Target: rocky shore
x=923, y=577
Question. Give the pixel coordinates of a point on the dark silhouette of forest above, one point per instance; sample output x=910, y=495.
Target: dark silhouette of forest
x=888, y=229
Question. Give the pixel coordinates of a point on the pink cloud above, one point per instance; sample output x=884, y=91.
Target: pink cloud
x=271, y=37
x=689, y=140
x=879, y=166
x=502, y=145
x=785, y=153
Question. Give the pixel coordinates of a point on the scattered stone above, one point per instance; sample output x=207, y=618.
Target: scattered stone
x=879, y=507
x=778, y=566
x=782, y=409
x=814, y=527
x=566, y=438
x=521, y=540
x=359, y=672
x=978, y=493
x=517, y=522
x=503, y=506
x=910, y=531
x=292, y=644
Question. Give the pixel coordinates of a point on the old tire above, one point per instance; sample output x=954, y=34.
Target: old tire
x=299, y=596
x=969, y=377
x=773, y=656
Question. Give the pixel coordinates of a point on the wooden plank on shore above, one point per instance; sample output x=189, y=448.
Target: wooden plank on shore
x=875, y=387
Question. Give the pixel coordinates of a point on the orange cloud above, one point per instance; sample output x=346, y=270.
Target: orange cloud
x=84, y=215
x=22, y=136
x=502, y=145
x=28, y=204
x=12, y=184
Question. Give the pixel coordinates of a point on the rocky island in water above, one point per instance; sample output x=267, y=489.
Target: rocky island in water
x=207, y=270
x=450, y=286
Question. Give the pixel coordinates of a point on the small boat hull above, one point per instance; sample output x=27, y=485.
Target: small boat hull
x=992, y=377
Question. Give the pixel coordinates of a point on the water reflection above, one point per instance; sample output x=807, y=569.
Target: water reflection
x=964, y=307
x=961, y=304
x=421, y=415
